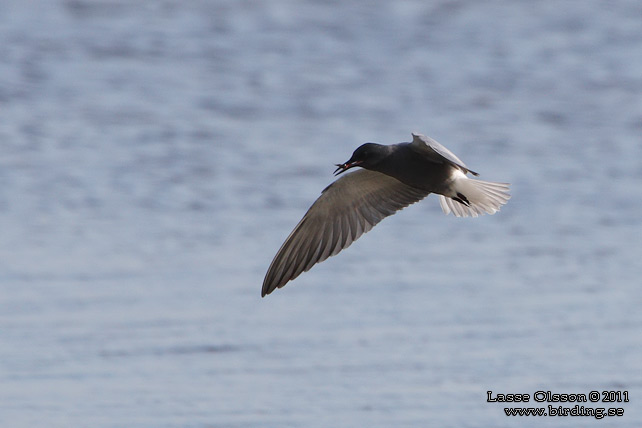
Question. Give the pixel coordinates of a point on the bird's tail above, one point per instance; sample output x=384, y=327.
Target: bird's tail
x=472, y=198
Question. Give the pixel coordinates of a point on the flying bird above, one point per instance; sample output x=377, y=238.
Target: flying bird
x=392, y=177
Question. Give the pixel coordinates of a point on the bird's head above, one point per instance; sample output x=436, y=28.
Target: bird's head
x=366, y=156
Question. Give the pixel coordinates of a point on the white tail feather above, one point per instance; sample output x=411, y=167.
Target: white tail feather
x=482, y=197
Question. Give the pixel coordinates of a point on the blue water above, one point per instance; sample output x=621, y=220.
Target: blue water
x=155, y=155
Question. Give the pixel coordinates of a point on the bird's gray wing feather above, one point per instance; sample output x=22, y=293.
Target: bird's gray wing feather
x=346, y=209
x=437, y=152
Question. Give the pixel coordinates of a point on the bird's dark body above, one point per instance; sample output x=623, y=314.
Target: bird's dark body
x=419, y=170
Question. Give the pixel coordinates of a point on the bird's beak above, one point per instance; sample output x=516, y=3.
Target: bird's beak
x=343, y=167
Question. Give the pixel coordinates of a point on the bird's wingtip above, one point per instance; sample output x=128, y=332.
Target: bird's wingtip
x=266, y=290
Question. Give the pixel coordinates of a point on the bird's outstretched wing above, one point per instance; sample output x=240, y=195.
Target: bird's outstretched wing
x=346, y=209
x=437, y=152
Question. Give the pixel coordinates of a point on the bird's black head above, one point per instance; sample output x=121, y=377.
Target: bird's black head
x=366, y=156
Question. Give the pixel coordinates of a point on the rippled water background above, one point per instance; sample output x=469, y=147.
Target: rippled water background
x=155, y=154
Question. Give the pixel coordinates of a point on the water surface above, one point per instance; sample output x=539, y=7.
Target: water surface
x=154, y=155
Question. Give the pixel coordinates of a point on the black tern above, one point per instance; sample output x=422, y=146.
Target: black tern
x=392, y=178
